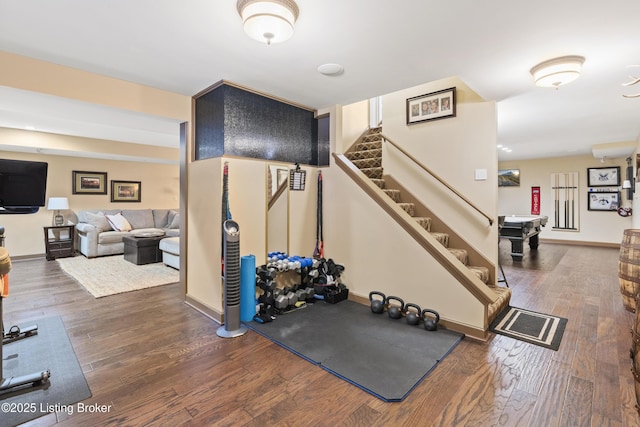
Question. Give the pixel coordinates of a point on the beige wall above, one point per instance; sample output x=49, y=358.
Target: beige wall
x=156, y=167
x=453, y=149
x=248, y=204
x=44, y=77
x=160, y=189
x=64, y=145
x=204, y=283
x=595, y=226
x=302, y=214
x=377, y=253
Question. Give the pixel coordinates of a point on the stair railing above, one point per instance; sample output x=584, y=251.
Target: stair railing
x=279, y=192
x=440, y=180
x=468, y=279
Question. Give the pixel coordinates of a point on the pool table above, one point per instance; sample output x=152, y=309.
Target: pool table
x=519, y=228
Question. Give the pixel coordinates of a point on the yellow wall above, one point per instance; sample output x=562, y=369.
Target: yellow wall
x=64, y=145
x=248, y=204
x=204, y=283
x=34, y=75
x=453, y=149
x=302, y=215
x=595, y=226
x=159, y=189
x=160, y=180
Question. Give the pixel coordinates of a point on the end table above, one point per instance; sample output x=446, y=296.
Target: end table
x=59, y=241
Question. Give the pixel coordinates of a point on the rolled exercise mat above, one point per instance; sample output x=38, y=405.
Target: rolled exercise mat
x=247, y=288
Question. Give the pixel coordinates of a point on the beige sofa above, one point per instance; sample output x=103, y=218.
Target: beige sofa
x=96, y=236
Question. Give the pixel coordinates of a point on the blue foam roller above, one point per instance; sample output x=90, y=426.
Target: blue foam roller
x=247, y=288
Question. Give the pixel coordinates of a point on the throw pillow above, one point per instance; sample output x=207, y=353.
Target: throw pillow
x=119, y=223
x=98, y=220
x=172, y=213
x=175, y=223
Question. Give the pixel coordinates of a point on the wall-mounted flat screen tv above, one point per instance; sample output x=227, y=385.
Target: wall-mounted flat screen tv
x=23, y=186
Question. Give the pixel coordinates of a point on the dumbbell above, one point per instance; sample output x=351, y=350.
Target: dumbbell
x=281, y=302
x=292, y=297
x=290, y=289
x=265, y=272
x=309, y=293
x=305, y=294
x=266, y=284
x=267, y=297
x=301, y=294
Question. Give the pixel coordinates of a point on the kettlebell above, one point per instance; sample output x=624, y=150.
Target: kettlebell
x=413, y=317
x=429, y=324
x=394, y=311
x=377, y=306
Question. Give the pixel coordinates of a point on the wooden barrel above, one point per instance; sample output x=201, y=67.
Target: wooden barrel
x=629, y=268
x=635, y=356
x=635, y=370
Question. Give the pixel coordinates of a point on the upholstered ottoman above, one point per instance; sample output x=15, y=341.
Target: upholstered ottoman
x=170, y=247
x=142, y=250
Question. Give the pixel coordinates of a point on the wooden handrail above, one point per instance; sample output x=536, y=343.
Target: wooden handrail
x=443, y=182
x=464, y=276
x=278, y=193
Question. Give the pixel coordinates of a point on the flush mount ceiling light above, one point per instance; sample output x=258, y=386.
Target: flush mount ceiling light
x=269, y=21
x=558, y=71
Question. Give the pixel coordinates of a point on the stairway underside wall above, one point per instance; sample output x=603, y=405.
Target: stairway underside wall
x=380, y=255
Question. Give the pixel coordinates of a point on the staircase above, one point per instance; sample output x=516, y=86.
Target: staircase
x=366, y=155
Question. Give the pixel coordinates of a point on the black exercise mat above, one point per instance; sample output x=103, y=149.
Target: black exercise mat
x=49, y=349
x=384, y=357
x=536, y=328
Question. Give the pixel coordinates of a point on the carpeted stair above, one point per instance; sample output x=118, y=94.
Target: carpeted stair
x=366, y=155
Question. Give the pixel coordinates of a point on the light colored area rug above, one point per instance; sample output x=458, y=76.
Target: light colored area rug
x=111, y=275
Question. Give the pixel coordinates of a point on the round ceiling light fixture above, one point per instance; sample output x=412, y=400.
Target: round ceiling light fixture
x=268, y=21
x=331, y=69
x=558, y=71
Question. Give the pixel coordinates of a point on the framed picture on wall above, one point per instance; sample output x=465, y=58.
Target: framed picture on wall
x=89, y=182
x=603, y=177
x=603, y=200
x=509, y=178
x=126, y=191
x=432, y=106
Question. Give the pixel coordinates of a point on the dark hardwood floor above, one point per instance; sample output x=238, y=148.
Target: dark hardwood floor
x=158, y=362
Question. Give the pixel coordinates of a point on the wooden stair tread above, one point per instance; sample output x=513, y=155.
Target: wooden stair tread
x=424, y=221
x=394, y=194
x=378, y=182
x=496, y=307
x=367, y=156
x=443, y=238
x=364, y=154
x=408, y=208
x=461, y=254
x=374, y=137
x=481, y=272
x=372, y=162
x=362, y=146
x=372, y=172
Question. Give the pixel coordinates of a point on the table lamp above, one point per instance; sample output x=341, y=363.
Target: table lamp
x=56, y=204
